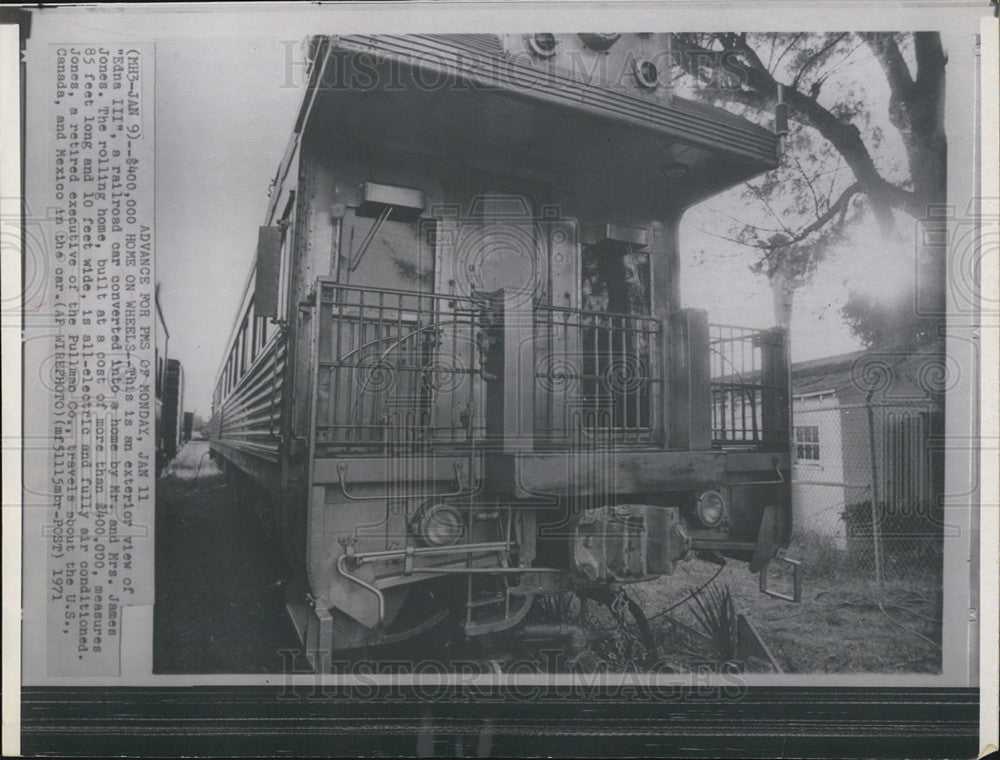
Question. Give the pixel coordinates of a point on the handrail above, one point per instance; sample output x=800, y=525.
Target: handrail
x=466, y=549
x=470, y=491
x=624, y=343
x=591, y=312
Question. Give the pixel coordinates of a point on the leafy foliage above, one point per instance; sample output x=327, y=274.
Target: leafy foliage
x=715, y=611
x=893, y=324
x=838, y=169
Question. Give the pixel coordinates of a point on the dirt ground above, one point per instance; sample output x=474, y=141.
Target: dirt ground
x=220, y=607
x=220, y=602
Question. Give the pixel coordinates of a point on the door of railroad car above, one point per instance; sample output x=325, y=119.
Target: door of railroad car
x=400, y=344
x=503, y=243
x=621, y=345
x=375, y=342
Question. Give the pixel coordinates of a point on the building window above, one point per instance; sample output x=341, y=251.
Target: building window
x=807, y=443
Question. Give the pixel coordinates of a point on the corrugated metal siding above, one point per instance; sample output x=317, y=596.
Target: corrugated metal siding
x=250, y=416
x=485, y=44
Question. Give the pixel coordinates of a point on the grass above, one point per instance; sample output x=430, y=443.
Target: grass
x=843, y=624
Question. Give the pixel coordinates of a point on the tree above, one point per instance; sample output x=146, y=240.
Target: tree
x=811, y=202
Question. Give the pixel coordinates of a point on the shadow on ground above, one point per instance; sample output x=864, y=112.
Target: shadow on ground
x=219, y=600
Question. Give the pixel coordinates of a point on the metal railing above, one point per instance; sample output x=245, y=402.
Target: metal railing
x=598, y=377
x=405, y=371
x=397, y=370
x=749, y=386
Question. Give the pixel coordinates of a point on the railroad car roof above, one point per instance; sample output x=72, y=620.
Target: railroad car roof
x=559, y=124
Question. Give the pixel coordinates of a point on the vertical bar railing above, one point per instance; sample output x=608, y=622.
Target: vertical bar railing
x=749, y=387
x=398, y=370
x=598, y=376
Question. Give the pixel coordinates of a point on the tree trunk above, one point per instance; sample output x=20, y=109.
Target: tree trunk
x=782, y=295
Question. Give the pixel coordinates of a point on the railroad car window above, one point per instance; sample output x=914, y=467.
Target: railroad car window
x=261, y=331
x=254, y=345
x=244, y=353
x=807, y=443
x=615, y=281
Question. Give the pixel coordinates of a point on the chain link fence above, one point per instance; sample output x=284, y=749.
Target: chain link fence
x=866, y=487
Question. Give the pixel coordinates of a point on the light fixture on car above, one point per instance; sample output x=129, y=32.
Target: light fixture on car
x=439, y=525
x=542, y=45
x=711, y=508
x=646, y=73
x=600, y=42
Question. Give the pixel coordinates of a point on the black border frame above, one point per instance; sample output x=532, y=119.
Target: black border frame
x=398, y=721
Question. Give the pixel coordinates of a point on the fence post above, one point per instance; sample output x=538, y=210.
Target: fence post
x=876, y=526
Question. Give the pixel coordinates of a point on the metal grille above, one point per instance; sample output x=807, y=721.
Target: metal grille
x=397, y=370
x=749, y=386
x=598, y=377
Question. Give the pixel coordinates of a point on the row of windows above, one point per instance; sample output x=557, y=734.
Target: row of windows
x=253, y=335
x=254, y=332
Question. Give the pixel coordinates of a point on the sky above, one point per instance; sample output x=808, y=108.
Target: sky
x=225, y=107
x=218, y=145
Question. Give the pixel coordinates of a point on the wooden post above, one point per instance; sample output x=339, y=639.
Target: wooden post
x=774, y=396
x=688, y=405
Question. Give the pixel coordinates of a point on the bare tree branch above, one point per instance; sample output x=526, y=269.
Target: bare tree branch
x=809, y=183
x=839, y=207
x=761, y=92
x=784, y=52
x=813, y=58
x=770, y=209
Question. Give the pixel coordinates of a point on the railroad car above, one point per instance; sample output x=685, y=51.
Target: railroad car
x=188, y=430
x=172, y=419
x=460, y=379
x=165, y=391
